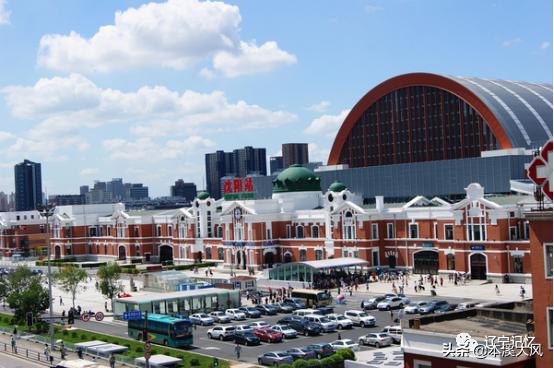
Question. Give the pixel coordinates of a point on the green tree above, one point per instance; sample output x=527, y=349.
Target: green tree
x=24, y=293
x=109, y=276
x=70, y=280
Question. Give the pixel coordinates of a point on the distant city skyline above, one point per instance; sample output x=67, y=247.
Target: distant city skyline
x=66, y=102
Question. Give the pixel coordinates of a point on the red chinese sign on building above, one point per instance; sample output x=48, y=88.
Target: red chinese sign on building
x=238, y=188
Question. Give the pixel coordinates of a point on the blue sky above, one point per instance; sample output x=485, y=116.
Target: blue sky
x=145, y=95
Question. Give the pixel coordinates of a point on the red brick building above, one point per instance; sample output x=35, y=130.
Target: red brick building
x=540, y=226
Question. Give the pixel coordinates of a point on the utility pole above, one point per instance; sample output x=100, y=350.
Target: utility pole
x=47, y=211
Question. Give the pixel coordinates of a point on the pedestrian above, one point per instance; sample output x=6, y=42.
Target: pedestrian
x=15, y=330
x=237, y=351
x=106, y=305
x=62, y=351
x=112, y=361
x=391, y=316
x=367, y=286
x=497, y=289
x=14, y=347
x=61, y=301
x=80, y=352
x=339, y=337
x=522, y=292
x=442, y=281
x=46, y=352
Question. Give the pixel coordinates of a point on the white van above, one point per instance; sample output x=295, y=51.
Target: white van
x=305, y=312
x=395, y=332
x=325, y=323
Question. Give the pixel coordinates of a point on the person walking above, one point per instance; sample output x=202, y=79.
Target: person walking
x=522, y=292
x=15, y=330
x=112, y=361
x=62, y=351
x=237, y=351
x=339, y=337
x=497, y=289
x=61, y=301
x=80, y=352
x=46, y=352
x=14, y=346
x=391, y=316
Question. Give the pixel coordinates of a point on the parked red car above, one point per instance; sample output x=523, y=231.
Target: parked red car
x=268, y=335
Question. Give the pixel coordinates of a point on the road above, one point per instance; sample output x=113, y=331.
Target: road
x=225, y=349
x=10, y=361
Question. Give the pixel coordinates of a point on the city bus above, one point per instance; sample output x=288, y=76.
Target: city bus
x=313, y=298
x=162, y=329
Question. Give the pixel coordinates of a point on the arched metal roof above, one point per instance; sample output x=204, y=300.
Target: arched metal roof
x=524, y=109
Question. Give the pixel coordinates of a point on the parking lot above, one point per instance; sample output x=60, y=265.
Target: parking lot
x=225, y=349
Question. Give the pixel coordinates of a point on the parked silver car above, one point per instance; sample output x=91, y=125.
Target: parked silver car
x=376, y=339
x=220, y=317
x=275, y=358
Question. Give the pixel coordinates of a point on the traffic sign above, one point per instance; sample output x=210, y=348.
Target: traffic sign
x=132, y=315
x=540, y=169
x=147, y=346
x=147, y=355
x=99, y=316
x=85, y=317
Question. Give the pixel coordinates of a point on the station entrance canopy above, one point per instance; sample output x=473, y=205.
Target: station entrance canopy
x=304, y=271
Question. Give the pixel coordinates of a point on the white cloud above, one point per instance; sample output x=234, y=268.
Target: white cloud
x=318, y=154
x=207, y=73
x=4, y=136
x=251, y=59
x=511, y=42
x=47, y=148
x=4, y=13
x=66, y=105
x=545, y=45
x=145, y=149
x=175, y=34
x=371, y=8
x=89, y=171
x=321, y=106
x=326, y=124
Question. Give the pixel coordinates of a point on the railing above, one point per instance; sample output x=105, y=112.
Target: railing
x=28, y=354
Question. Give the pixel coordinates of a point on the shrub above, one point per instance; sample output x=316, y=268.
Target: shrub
x=194, y=362
x=83, y=336
x=314, y=363
x=300, y=363
x=65, y=332
x=346, y=354
x=154, y=352
x=285, y=366
x=139, y=349
x=74, y=335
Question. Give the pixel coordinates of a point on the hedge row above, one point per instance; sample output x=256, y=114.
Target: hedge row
x=334, y=361
x=56, y=262
x=132, y=268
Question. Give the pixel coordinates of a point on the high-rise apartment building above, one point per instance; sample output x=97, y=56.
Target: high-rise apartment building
x=295, y=153
x=239, y=163
x=28, y=185
x=183, y=190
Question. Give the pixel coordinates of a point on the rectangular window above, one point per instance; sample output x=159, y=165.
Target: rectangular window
x=374, y=231
x=436, y=230
x=109, y=231
x=513, y=233
x=414, y=231
x=287, y=232
x=549, y=326
x=268, y=234
x=390, y=230
x=422, y=364
x=158, y=230
x=449, y=232
x=220, y=254
x=170, y=230
x=518, y=264
x=208, y=253
x=548, y=260
x=92, y=231
x=526, y=230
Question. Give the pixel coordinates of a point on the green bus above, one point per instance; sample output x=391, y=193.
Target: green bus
x=162, y=329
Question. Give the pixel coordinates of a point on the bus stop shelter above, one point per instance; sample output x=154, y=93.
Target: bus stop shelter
x=304, y=271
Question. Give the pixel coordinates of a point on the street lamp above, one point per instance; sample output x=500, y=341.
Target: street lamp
x=47, y=211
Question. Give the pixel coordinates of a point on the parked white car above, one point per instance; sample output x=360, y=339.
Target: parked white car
x=325, y=323
x=305, y=312
x=258, y=324
x=220, y=317
x=360, y=318
x=340, y=320
x=243, y=328
x=378, y=339
x=288, y=332
x=201, y=319
x=345, y=344
x=413, y=308
x=221, y=332
x=463, y=306
x=236, y=314
x=395, y=332
x=390, y=303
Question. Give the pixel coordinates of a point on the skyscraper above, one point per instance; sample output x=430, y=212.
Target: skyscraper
x=115, y=186
x=28, y=185
x=295, y=153
x=183, y=190
x=275, y=164
x=239, y=163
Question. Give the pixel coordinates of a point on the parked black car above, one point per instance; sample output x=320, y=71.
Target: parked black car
x=304, y=327
x=446, y=308
x=301, y=353
x=267, y=309
x=321, y=350
x=246, y=338
x=250, y=312
x=287, y=319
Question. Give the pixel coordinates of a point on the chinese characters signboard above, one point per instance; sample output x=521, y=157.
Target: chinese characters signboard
x=238, y=188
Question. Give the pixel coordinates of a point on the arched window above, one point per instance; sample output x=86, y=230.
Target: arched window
x=303, y=255
x=300, y=232
x=450, y=262
x=348, y=226
x=315, y=231
x=220, y=232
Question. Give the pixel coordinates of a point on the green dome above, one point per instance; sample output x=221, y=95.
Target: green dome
x=203, y=195
x=337, y=186
x=296, y=178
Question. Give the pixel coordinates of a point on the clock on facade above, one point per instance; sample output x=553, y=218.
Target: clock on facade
x=237, y=213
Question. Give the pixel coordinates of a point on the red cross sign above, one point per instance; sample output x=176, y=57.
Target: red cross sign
x=540, y=169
